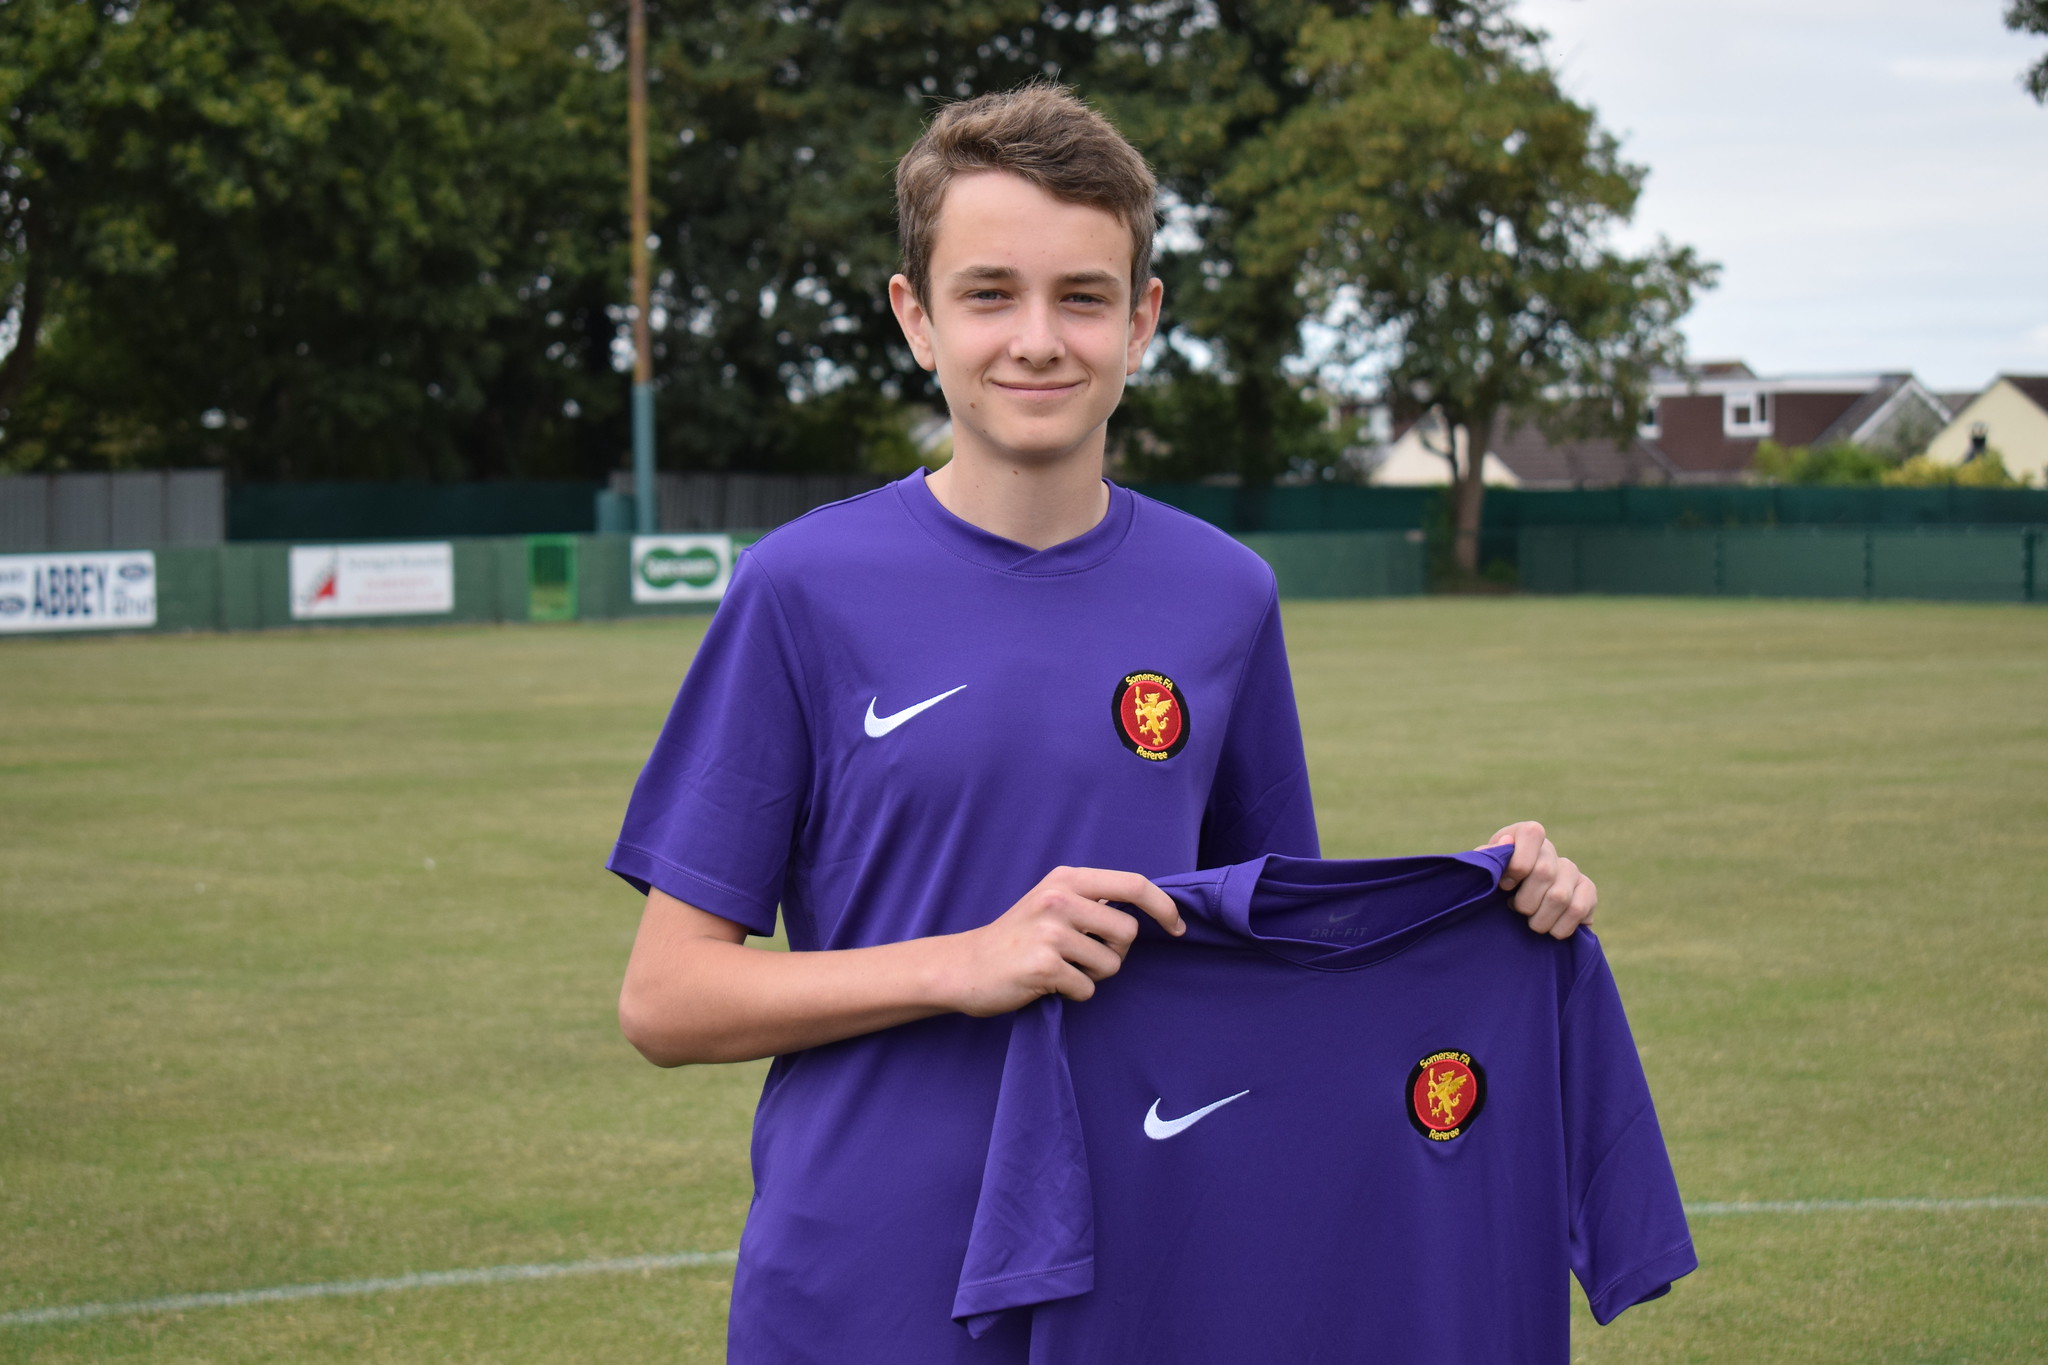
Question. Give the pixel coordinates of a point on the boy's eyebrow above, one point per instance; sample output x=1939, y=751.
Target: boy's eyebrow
x=1003, y=274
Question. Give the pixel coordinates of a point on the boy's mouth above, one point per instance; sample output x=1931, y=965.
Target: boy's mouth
x=1036, y=391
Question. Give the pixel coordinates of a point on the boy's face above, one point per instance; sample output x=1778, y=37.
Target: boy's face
x=1030, y=323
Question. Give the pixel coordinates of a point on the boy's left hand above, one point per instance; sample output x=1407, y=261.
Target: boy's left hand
x=1549, y=889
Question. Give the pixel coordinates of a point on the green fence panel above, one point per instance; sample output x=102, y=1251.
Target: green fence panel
x=1986, y=564
x=188, y=588
x=1346, y=507
x=604, y=582
x=603, y=564
x=1513, y=509
x=255, y=587
x=1217, y=506
x=509, y=573
x=1680, y=563
x=1549, y=559
x=2037, y=564
x=1794, y=561
x=1343, y=563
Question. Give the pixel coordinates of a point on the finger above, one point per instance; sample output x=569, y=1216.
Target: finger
x=1102, y=884
x=1557, y=898
x=1529, y=895
x=1530, y=847
x=1585, y=899
x=1074, y=984
x=1098, y=960
x=1114, y=927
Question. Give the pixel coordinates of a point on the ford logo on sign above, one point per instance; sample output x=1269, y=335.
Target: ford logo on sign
x=13, y=606
x=132, y=571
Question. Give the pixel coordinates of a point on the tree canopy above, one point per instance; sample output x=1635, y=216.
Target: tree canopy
x=2031, y=16
x=386, y=238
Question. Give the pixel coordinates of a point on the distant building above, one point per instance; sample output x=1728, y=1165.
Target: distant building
x=2010, y=417
x=1412, y=459
x=1703, y=427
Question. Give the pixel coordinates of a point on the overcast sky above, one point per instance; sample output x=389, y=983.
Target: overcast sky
x=1868, y=173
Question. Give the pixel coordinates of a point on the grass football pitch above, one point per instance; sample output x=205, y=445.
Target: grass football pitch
x=308, y=965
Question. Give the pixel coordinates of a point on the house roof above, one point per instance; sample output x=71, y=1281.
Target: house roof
x=1845, y=426
x=2034, y=386
x=1539, y=462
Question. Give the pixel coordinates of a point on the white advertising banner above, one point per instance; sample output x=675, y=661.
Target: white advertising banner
x=331, y=581
x=103, y=590
x=681, y=568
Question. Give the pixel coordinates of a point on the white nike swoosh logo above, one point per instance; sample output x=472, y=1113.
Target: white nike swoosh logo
x=877, y=726
x=1159, y=1129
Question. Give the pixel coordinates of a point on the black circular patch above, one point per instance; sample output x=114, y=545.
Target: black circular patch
x=1445, y=1092
x=1151, y=715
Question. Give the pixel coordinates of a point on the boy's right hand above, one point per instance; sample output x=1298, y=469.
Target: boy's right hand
x=1060, y=938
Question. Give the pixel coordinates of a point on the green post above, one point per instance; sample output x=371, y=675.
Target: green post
x=643, y=459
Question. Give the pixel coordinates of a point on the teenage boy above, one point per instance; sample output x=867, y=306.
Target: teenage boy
x=912, y=704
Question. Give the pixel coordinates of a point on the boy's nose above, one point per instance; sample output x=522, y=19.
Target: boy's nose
x=1037, y=342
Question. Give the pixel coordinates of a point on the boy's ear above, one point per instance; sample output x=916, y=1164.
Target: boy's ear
x=915, y=321
x=1144, y=323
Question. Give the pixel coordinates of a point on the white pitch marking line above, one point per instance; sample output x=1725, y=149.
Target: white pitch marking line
x=504, y=1274
x=1869, y=1205
x=433, y=1279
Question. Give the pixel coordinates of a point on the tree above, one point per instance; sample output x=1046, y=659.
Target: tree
x=1986, y=470
x=777, y=129
x=2031, y=16
x=1840, y=463
x=387, y=237
x=1442, y=199
x=267, y=235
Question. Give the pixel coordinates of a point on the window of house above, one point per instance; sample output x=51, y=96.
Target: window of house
x=1746, y=414
x=1650, y=428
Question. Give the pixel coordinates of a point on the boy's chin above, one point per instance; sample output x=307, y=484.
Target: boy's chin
x=1042, y=454
x=1039, y=446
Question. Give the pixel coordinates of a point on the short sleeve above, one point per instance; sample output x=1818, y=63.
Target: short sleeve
x=1629, y=1239
x=1260, y=801
x=1033, y=1238
x=713, y=817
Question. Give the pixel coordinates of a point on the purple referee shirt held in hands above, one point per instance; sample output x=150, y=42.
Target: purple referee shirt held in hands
x=1359, y=1113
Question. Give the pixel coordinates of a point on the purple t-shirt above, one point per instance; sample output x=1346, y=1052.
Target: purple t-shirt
x=896, y=725
x=1359, y=1113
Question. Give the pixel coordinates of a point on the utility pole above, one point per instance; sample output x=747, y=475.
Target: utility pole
x=643, y=344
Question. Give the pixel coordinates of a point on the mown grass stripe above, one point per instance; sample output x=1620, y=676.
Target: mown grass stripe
x=334, y=1289
x=1867, y=1205
x=505, y=1274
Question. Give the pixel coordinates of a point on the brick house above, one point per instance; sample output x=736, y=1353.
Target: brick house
x=1704, y=428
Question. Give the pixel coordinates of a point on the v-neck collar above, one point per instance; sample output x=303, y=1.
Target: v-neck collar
x=1003, y=555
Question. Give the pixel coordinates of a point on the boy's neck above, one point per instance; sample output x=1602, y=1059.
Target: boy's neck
x=1040, y=505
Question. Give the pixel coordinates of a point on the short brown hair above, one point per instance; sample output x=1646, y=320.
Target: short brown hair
x=1041, y=133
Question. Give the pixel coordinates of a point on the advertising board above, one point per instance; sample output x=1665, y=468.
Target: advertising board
x=336, y=581
x=681, y=568
x=101, y=590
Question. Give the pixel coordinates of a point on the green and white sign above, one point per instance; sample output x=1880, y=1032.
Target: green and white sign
x=681, y=568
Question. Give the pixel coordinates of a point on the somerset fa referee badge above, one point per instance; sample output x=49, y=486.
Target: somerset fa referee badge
x=1151, y=715
x=1445, y=1092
